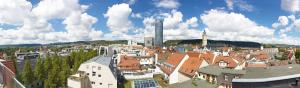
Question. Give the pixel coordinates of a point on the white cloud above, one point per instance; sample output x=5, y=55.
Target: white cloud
x=242, y=5
x=118, y=21
x=34, y=26
x=297, y=24
x=136, y=15
x=193, y=22
x=282, y=21
x=292, y=17
x=172, y=20
x=290, y=5
x=59, y=8
x=234, y=26
x=14, y=11
x=169, y=4
x=174, y=26
x=79, y=26
x=229, y=4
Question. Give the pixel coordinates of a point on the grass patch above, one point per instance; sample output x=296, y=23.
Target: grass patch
x=160, y=80
x=127, y=84
x=194, y=82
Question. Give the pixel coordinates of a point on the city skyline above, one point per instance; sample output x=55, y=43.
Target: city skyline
x=28, y=22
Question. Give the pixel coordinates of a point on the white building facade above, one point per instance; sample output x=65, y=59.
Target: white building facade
x=100, y=72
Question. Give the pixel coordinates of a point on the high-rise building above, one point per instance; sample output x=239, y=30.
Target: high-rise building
x=148, y=41
x=204, y=39
x=158, y=42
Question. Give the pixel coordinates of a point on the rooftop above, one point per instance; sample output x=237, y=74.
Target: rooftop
x=129, y=63
x=216, y=70
x=172, y=62
x=190, y=66
x=196, y=84
x=272, y=73
x=104, y=60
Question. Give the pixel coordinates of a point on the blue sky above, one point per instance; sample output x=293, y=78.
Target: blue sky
x=48, y=21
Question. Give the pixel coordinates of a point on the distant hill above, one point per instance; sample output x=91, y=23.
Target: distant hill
x=96, y=42
x=20, y=45
x=214, y=43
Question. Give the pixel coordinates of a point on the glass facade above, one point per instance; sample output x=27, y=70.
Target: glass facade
x=158, y=42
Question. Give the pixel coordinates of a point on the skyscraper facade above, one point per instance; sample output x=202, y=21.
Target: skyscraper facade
x=158, y=42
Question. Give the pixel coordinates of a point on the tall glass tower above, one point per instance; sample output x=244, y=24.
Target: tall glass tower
x=158, y=42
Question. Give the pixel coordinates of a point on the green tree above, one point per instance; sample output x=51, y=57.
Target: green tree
x=48, y=64
x=39, y=70
x=50, y=81
x=297, y=54
x=64, y=73
x=27, y=74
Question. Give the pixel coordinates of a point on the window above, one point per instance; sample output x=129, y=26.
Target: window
x=94, y=73
x=99, y=68
x=93, y=82
x=87, y=74
x=99, y=75
x=100, y=83
x=226, y=77
x=222, y=64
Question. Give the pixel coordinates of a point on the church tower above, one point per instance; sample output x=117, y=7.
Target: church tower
x=204, y=39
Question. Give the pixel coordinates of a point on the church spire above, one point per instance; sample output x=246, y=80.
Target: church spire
x=204, y=38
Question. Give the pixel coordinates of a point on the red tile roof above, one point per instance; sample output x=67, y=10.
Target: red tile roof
x=193, y=54
x=10, y=65
x=228, y=59
x=191, y=66
x=129, y=63
x=262, y=57
x=256, y=65
x=208, y=56
x=174, y=59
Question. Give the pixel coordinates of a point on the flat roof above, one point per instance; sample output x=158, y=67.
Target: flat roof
x=193, y=83
x=216, y=70
x=272, y=73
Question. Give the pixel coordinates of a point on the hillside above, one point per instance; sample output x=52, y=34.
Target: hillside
x=213, y=43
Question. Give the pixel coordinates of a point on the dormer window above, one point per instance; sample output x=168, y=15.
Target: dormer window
x=225, y=77
x=222, y=64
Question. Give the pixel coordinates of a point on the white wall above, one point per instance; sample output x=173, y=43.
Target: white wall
x=73, y=84
x=174, y=76
x=107, y=78
x=182, y=78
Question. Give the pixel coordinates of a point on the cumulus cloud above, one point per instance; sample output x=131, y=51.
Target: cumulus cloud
x=297, y=24
x=34, y=26
x=240, y=4
x=14, y=11
x=234, y=26
x=174, y=26
x=282, y=21
x=117, y=18
x=59, y=9
x=168, y=4
x=290, y=5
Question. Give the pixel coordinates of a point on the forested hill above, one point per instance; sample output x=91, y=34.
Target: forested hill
x=96, y=42
x=213, y=43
